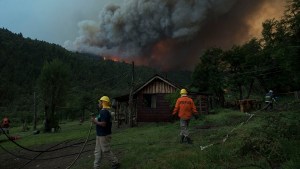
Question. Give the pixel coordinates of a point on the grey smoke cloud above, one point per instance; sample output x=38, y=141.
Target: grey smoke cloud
x=166, y=34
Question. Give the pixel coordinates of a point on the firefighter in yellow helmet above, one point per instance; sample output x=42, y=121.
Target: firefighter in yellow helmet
x=104, y=101
x=186, y=109
x=103, y=122
x=183, y=91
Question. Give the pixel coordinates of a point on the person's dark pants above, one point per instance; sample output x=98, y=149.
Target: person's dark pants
x=269, y=106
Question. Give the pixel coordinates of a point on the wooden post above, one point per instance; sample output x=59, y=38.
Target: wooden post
x=204, y=104
x=34, y=111
x=118, y=114
x=296, y=93
x=131, y=98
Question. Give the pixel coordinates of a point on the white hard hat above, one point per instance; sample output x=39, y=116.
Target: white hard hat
x=271, y=91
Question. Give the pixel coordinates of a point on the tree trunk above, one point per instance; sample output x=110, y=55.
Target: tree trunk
x=250, y=88
x=241, y=91
x=262, y=83
x=51, y=121
x=221, y=98
x=47, y=127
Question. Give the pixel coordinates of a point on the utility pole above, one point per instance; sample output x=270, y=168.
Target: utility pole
x=131, y=98
x=34, y=111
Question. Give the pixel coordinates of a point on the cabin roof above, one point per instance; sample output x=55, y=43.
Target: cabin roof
x=139, y=88
x=154, y=78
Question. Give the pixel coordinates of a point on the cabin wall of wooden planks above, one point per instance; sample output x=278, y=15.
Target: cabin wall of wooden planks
x=162, y=112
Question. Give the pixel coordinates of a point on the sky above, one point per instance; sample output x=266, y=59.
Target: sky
x=165, y=34
x=54, y=21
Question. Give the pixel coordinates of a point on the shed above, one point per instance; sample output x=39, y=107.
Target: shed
x=149, y=101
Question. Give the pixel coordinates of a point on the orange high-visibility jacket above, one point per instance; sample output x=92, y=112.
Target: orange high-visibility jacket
x=185, y=107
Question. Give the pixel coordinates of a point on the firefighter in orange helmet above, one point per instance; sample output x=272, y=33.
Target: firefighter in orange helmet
x=186, y=109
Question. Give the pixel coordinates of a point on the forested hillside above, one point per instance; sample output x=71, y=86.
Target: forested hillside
x=89, y=76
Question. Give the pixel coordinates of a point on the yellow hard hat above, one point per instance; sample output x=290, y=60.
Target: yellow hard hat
x=183, y=91
x=104, y=98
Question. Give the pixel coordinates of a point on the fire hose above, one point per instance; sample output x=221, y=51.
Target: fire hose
x=48, y=150
x=82, y=148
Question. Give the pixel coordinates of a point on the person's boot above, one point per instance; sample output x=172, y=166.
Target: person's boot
x=116, y=166
x=182, y=139
x=189, y=141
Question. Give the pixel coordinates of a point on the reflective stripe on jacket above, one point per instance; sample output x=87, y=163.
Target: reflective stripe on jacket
x=185, y=107
x=268, y=97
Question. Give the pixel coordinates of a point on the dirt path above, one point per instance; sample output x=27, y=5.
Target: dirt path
x=58, y=159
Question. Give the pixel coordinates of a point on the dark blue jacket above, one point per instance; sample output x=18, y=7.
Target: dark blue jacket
x=104, y=116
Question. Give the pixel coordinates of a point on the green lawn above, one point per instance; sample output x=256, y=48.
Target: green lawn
x=69, y=130
x=267, y=140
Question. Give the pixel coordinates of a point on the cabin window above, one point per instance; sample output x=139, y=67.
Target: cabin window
x=150, y=100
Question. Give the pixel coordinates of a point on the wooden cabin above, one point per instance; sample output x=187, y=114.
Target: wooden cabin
x=149, y=102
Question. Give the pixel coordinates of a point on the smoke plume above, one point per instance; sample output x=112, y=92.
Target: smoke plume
x=169, y=34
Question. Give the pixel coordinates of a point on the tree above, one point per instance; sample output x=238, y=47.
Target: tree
x=53, y=85
x=244, y=63
x=292, y=21
x=273, y=60
x=281, y=40
x=208, y=74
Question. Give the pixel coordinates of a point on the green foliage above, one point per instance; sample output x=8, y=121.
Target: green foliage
x=172, y=98
x=273, y=139
x=209, y=74
x=267, y=140
x=53, y=84
x=282, y=46
x=243, y=65
x=257, y=65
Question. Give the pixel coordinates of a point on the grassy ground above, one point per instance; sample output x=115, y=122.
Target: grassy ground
x=69, y=131
x=224, y=139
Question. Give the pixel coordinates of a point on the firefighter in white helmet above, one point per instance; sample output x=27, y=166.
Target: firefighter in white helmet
x=103, y=122
x=269, y=99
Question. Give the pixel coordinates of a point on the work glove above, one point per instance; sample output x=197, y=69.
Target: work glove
x=174, y=117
